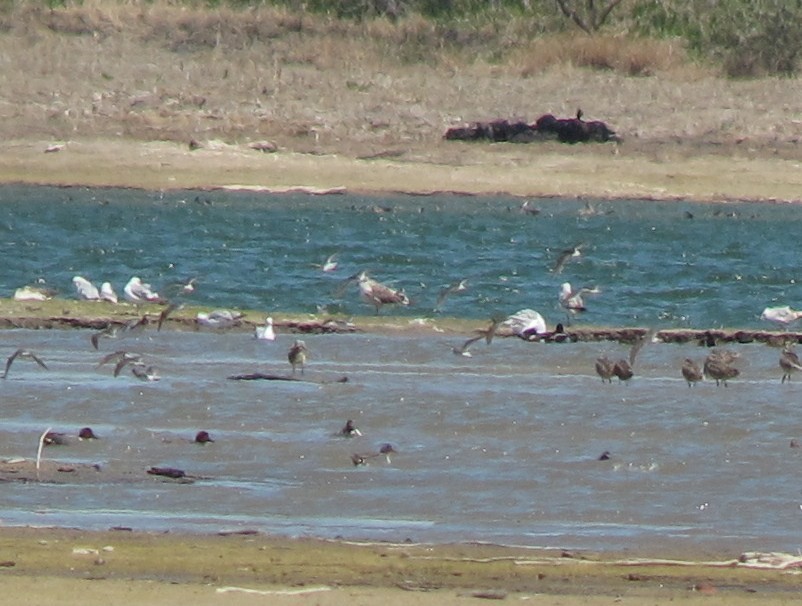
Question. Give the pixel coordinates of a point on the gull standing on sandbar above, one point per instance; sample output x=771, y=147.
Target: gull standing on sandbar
x=138, y=292
x=378, y=294
x=265, y=332
x=85, y=289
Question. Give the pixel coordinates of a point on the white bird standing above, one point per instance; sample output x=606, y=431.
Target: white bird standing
x=266, y=332
x=781, y=315
x=86, y=290
x=138, y=292
x=107, y=293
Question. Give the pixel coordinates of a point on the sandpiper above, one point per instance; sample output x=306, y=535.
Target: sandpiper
x=691, y=371
x=25, y=355
x=718, y=366
x=789, y=362
x=297, y=355
x=623, y=370
x=604, y=368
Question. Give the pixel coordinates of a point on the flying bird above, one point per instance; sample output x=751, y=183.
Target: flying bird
x=143, y=372
x=23, y=354
x=451, y=289
x=639, y=343
x=297, y=355
x=378, y=294
x=329, y=265
x=566, y=255
x=462, y=350
x=691, y=372
x=166, y=313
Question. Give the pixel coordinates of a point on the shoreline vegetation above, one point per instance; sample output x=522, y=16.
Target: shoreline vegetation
x=270, y=100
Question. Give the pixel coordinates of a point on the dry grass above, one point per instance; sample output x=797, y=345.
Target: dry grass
x=155, y=71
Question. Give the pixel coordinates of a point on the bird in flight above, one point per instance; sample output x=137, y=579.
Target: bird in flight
x=566, y=255
x=23, y=354
x=452, y=288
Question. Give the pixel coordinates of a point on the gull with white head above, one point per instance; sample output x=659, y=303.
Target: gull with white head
x=86, y=290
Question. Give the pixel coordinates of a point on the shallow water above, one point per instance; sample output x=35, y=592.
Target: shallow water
x=500, y=447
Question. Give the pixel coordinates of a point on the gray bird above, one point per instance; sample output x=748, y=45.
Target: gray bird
x=25, y=355
x=567, y=255
x=455, y=287
x=691, y=371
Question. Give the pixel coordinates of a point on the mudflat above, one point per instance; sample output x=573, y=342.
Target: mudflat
x=340, y=118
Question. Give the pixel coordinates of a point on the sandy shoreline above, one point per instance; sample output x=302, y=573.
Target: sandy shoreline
x=606, y=171
x=143, y=568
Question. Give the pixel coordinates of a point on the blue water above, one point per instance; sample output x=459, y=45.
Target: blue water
x=500, y=447
x=653, y=265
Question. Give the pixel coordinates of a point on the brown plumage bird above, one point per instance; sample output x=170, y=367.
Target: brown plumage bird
x=604, y=368
x=623, y=370
x=25, y=355
x=789, y=362
x=691, y=371
x=297, y=355
x=718, y=366
x=377, y=294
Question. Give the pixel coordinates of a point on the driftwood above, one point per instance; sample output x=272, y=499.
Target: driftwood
x=545, y=128
x=258, y=376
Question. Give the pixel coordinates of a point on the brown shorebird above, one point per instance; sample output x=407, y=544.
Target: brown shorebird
x=623, y=370
x=604, y=368
x=718, y=366
x=376, y=293
x=297, y=355
x=691, y=371
x=25, y=355
x=789, y=362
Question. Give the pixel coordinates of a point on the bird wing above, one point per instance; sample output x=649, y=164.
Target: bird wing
x=10, y=361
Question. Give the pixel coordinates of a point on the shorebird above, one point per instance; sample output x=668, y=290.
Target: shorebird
x=462, y=350
x=219, y=318
x=143, y=372
x=525, y=323
x=203, y=437
x=691, y=371
x=376, y=293
x=604, y=368
x=781, y=315
x=121, y=358
x=107, y=293
x=789, y=362
x=86, y=290
x=265, y=332
x=718, y=366
x=297, y=355
x=138, y=292
x=452, y=288
x=567, y=255
x=25, y=355
x=623, y=370
x=350, y=430
x=483, y=333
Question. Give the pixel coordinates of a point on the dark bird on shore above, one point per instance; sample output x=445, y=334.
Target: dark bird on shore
x=297, y=355
x=623, y=370
x=376, y=293
x=605, y=456
x=567, y=255
x=23, y=354
x=350, y=430
x=604, y=368
x=691, y=371
x=789, y=362
x=452, y=288
x=718, y=366
x=203, y=437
